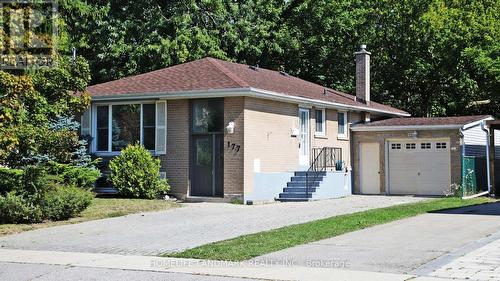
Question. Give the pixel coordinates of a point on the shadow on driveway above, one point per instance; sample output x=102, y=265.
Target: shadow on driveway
x=486, y=209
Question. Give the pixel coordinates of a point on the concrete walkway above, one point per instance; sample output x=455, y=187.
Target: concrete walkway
x=193, y=225
x=45, y=265
x=478, y=260
x=482, y=264
x=401, y=246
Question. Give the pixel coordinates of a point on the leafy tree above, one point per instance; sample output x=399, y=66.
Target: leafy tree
x=121, y=38
x=35, y=110
x=429, y=57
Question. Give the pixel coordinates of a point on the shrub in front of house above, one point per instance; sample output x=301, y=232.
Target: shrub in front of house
x=10, y=179
x=65, y=202
x=35, y=193
x=82, y=177
x=136, y=174
x=16, y=208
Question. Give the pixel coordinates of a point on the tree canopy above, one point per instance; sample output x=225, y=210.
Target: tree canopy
x=429, y=57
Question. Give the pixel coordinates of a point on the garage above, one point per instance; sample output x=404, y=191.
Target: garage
x=417, y=156
x=420, y=167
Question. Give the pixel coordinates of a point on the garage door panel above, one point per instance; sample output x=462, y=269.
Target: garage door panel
x=419, y=167
x=400, y=176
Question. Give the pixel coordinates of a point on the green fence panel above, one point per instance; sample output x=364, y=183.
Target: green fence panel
x=469, y=180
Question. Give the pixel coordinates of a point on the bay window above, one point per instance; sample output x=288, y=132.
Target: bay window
x=118, y=125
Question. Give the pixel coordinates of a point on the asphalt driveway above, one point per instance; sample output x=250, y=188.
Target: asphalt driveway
x=410, y=245
x=192, y=225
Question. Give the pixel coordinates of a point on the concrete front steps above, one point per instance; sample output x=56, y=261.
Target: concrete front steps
x=105, y=190
x=296, y=188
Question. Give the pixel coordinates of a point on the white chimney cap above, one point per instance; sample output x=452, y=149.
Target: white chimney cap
x=363, y=47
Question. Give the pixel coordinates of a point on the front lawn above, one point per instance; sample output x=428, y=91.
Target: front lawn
x=253, y=245
x=100, y=208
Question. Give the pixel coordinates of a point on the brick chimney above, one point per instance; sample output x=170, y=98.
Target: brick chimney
x=363, y=74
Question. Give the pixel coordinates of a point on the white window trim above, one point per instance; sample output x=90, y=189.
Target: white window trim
x=323, y=126
x=343, y=136
x=93, y=130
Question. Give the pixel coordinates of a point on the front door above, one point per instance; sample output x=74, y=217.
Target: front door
x=369, y=168
x=207, y=138
x=304, y=139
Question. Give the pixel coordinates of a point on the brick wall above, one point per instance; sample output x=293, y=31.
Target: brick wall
x=331, y=137
x=176, y=162
x=233, y=159
x=382, y=137
x=268, y=137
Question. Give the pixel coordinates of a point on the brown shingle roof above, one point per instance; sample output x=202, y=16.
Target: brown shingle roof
x=213, y=74
x=424, y=121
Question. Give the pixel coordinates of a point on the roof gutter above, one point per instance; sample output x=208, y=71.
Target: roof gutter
x=461, y=127
x=404, y=128
x=212, y=93
x=236, y=92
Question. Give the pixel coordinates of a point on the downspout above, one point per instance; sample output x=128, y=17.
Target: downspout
x=483, y=127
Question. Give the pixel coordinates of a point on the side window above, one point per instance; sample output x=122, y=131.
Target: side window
x=342, y=120
x=320, y=122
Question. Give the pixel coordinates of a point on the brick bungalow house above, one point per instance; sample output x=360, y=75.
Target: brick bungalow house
x=226, y=130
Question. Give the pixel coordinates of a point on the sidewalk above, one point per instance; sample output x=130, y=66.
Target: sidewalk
x=196, y=267
x=483, y=263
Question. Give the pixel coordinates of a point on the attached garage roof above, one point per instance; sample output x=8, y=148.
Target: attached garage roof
x=214, y=75
x=420, y=123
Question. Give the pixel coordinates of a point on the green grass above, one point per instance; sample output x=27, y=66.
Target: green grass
x=100, y=208
x=249, y=246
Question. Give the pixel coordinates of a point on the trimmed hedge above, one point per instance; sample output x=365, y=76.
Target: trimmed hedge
x=63, y=203
x=52, y=191
x=82, y=177
x=10, y=179
x=15, y=208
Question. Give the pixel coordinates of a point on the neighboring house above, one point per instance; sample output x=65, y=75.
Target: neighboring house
x=227, y=130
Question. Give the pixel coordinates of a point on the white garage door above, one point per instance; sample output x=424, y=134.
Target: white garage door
x=419, y=167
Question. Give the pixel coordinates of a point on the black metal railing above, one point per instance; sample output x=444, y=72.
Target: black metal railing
x=322, y=159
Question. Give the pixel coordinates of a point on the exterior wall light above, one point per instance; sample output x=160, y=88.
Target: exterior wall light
x=230, y=127
x=295, y=132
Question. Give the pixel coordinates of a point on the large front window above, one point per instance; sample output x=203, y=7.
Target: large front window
x=119, y=125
